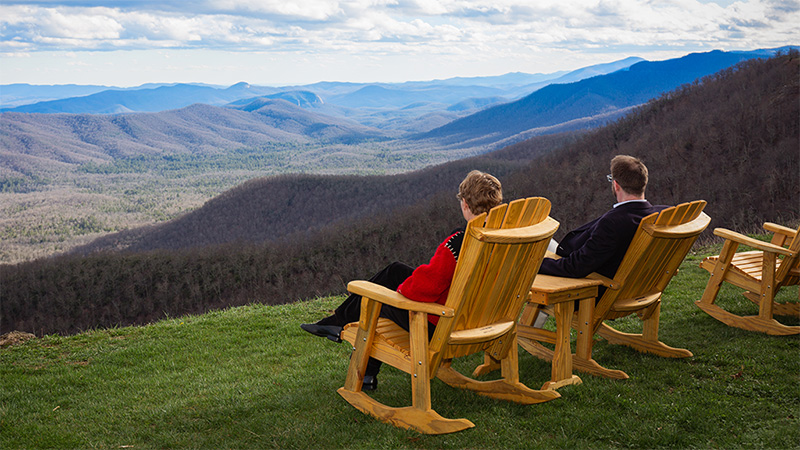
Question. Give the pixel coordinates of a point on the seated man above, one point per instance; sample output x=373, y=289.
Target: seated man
x=478, y=193
x=600, y=245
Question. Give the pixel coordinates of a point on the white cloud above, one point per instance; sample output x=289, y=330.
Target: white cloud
x=452, y=33
x=571, y=24
x=314, y=10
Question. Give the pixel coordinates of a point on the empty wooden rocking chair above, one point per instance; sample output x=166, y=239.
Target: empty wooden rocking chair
x=761, y=272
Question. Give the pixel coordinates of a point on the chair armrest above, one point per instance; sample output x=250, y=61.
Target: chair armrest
x=389, y=297
x=750, y=242
x=607, y=282
x=780, y=229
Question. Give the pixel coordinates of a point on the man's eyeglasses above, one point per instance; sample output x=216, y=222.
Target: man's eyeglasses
x=609, y=178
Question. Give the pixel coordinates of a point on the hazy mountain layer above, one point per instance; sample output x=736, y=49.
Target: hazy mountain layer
x=596, y=96
x=29, y=142
x=383, y=96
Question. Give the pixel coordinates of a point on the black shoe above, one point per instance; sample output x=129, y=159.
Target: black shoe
x=370, y=383
x=331, y=332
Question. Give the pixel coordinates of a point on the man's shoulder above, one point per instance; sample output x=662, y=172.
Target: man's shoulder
x=626, y=216
x=634, y=209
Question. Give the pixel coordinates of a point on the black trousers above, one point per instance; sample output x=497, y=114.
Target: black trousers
x=349, y=311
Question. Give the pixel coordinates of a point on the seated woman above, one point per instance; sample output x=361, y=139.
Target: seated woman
x=478, y=193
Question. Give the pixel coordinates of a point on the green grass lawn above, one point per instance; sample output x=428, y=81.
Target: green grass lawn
x=249, y=377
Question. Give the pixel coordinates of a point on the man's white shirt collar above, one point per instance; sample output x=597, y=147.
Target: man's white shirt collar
x=629, y=201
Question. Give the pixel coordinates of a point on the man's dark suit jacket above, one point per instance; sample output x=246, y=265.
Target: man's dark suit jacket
x=599, y=245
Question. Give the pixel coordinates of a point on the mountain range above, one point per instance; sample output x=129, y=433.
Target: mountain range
x=733, y=126
x=115, y=101
x=96, y=99
x=404, y=107
x=468, y=115
x=29, y=140
x=607, y=95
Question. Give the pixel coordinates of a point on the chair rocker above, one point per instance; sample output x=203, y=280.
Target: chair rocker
x=659, y=246
x=499, y=258
x=761, y=273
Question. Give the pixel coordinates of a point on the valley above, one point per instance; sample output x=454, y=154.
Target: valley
x=70, y=172
x=68, y=205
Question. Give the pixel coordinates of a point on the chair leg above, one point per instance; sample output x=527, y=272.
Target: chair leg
x=364, y=338
x=508, y=387
x=778, y=309
x=582, y=360
x=489, y=365
x=768, y=264
x=419, y=416
x=530, y=313
x=720, y=269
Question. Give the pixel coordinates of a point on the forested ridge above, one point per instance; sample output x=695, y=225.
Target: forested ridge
x=289, y=207
x=731, y=139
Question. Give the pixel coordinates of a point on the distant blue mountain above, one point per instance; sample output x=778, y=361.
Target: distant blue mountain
x=380, y=96
x=578, y=75
x=579, y=98
x=475, y=103
x=383, y=96
x=303, y=99
x=506, y=81
x=13, y=95
x=146, y=100
x=455, y=90
x=557, y=104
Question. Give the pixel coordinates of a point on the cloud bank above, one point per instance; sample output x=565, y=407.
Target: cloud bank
x=394, y=34
x=387, y=25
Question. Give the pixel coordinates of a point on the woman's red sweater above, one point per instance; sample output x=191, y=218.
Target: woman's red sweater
x=430, y=282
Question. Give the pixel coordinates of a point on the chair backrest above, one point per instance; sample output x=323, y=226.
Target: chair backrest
x=499, y=258
x=788, y=274
x=659, y=246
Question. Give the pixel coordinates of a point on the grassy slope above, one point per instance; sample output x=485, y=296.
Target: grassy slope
x=248, y=377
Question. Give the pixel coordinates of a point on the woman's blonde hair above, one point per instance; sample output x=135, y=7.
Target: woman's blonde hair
x=481, y=191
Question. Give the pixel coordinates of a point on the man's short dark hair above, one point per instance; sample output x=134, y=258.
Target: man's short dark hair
x=630, y=173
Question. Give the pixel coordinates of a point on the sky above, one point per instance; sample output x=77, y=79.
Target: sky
x=295, y=42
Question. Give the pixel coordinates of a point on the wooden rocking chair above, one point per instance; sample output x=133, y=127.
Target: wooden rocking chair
x=659, y=246
x=499, y=258
x=761, y=272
